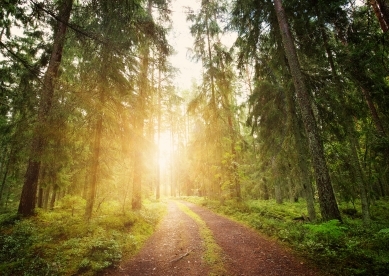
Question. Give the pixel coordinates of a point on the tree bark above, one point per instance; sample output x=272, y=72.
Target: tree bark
x=29, y=191
x=384, y=7
x=379, y=8
x=328, y=205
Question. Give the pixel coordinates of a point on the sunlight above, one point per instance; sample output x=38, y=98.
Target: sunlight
x=182, y=41
x=165, y=150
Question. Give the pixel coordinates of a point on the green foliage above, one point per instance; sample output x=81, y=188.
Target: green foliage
x=61, y=242
x=348, y=248
x=330, y=231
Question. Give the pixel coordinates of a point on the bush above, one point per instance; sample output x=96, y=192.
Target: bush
x=17, y=254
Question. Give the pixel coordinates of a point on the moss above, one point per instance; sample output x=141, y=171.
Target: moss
x=61, y=242
x=213, y=252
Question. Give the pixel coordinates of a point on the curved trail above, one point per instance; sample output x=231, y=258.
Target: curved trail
x=176, y=248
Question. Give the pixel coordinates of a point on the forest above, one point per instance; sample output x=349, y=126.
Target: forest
x=290, y=123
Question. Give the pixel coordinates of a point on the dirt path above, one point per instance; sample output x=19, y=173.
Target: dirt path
x=246, y=252
x=176, y=248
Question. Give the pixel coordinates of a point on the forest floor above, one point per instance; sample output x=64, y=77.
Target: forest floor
x=178, y=247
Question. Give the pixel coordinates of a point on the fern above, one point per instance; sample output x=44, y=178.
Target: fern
x=384, y=231
x=330, y=231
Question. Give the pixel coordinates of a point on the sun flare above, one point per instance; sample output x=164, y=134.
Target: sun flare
x=165, y=147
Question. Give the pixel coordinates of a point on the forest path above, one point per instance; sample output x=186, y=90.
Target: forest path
x=178, y=248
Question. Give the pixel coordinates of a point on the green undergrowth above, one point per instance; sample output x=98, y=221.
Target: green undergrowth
x=348, y=248
x=62, y=242
x=213, y=251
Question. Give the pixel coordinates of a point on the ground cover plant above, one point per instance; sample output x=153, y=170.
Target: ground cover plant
x=347, y=248
x=213, y=251
x=62, y=242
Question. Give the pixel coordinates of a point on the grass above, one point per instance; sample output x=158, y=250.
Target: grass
x=213, y=251
x=61, y=242
x=350, y=248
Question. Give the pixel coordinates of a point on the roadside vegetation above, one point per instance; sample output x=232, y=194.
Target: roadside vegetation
x=348, y=248
x=62, y=242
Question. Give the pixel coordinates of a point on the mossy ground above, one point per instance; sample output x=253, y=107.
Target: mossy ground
x=61, y=242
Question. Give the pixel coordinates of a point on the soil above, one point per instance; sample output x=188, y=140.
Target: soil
x=176, y=248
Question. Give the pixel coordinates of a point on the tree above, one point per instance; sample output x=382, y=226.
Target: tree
x=28, y=196
x=272, y=115
x=217, y=95
x=23, y=56
x=381, y=10
x=139, y=119
x=328, y=206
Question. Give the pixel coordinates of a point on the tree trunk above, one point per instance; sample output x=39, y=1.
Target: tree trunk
x=158, y=167
x=139, y=124
x=384, y=7
x=328, y=205
x=29, y=191
x=302, y=161
x=379, y=8
x=46, y=197
x=5, y=174
x=265, y=190
x=137, y=180
x=53, y=197
x=305, y=175
x=172, y=167
x=278, y=191
x=95, y=166
x=139, y=143
x=360, y=177
x=40, y=197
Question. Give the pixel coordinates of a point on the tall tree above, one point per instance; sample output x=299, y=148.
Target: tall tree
x=153, y=38
x=139, y=119
x=328, y=205
x=28, y=196
x=217, y=91
x=275, y=121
